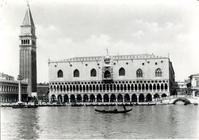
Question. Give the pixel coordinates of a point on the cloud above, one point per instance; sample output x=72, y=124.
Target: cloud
x=68, y=29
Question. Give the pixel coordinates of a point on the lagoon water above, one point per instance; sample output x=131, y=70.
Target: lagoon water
x=163, y=121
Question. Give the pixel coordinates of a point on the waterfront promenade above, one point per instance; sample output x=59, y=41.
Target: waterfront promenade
x=162, y=101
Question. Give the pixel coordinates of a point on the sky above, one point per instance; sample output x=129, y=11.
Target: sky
x=66, y=28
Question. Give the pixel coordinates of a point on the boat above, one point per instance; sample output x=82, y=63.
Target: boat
x=18, y=105
x=113, y=111
x=22, y=105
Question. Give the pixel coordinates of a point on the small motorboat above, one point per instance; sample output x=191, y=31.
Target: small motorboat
x=113, y=111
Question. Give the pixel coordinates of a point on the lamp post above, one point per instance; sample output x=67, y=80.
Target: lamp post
x=19, y=78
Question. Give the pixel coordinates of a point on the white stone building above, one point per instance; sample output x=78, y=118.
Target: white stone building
x=194, y=79
x=121, y=78
x=9, y=89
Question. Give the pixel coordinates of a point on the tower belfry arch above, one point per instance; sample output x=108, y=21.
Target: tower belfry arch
x=27, y=51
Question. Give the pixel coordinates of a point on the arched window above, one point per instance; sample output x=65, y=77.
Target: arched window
x=139, y=73
x=60, y=74
x=107, y=74
x=76, y=73
x=93, y=73
x=121, y=72
x=158, y=72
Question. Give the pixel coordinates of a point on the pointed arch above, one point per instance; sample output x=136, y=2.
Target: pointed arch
x=154, y=87
x=79, y=98
x=60, y=74
x=112, y=98
x=53, y=98
x=65, y=98
x=150, y=87
x=139, y=73
x=83, y=88
x=93, y=73
x=106, y=98
x=158, y=72
x=147, y=86
x=107, y=74
x=120, y=98
x=166, y=86
x=99, y=98
x=72, y=98
x=126, y=98
x=163, y=95
x=121, y=71
x=158, y=87
x=92, y=98
x=148, y=97
x=141, y=98
x=134, y=98
x=156, y=96
x=162, y=87
x=76, y=73
x=128, y=87
x=85, y=98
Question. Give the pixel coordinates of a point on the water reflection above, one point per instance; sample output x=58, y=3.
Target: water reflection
x=19, y=123
x=170, y=121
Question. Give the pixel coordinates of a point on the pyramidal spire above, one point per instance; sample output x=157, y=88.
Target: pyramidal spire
x=28, y=20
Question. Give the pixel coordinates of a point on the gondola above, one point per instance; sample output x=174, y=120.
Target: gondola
x=113, y=111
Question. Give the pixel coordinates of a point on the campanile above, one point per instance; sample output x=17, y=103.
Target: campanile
x=27, y=51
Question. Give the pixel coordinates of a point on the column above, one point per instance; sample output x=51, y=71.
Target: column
x=62, y=98
x=19, y=94
x=193, y=93
x=68, y=98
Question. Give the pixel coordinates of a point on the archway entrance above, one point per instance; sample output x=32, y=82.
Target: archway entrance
x=148, y=98
x=164, y=95
x=65, y=98
x=141, y=98
x=106, y=98
x=72, y=98
x=99, y=98
x=79, y=98
x=53, y=98
x=134, y=98
x=126, y=98
x=113, y=98
x=85, y=98
x=119, y=98
x=156, y=96
x=59, y=98
x=92, y=98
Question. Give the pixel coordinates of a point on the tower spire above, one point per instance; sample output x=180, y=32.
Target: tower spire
x=27, y=1
x=28, y=20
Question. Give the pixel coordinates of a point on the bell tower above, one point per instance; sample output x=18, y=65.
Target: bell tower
x=27, y=51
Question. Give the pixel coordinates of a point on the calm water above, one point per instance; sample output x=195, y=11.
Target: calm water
x=168, y=121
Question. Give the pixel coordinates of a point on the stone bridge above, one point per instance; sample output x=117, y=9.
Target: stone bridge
x=187, y=99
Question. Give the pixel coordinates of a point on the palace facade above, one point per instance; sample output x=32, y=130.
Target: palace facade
x=121, y=78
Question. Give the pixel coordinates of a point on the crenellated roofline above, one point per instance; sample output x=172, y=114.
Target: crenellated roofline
x=113, y=57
